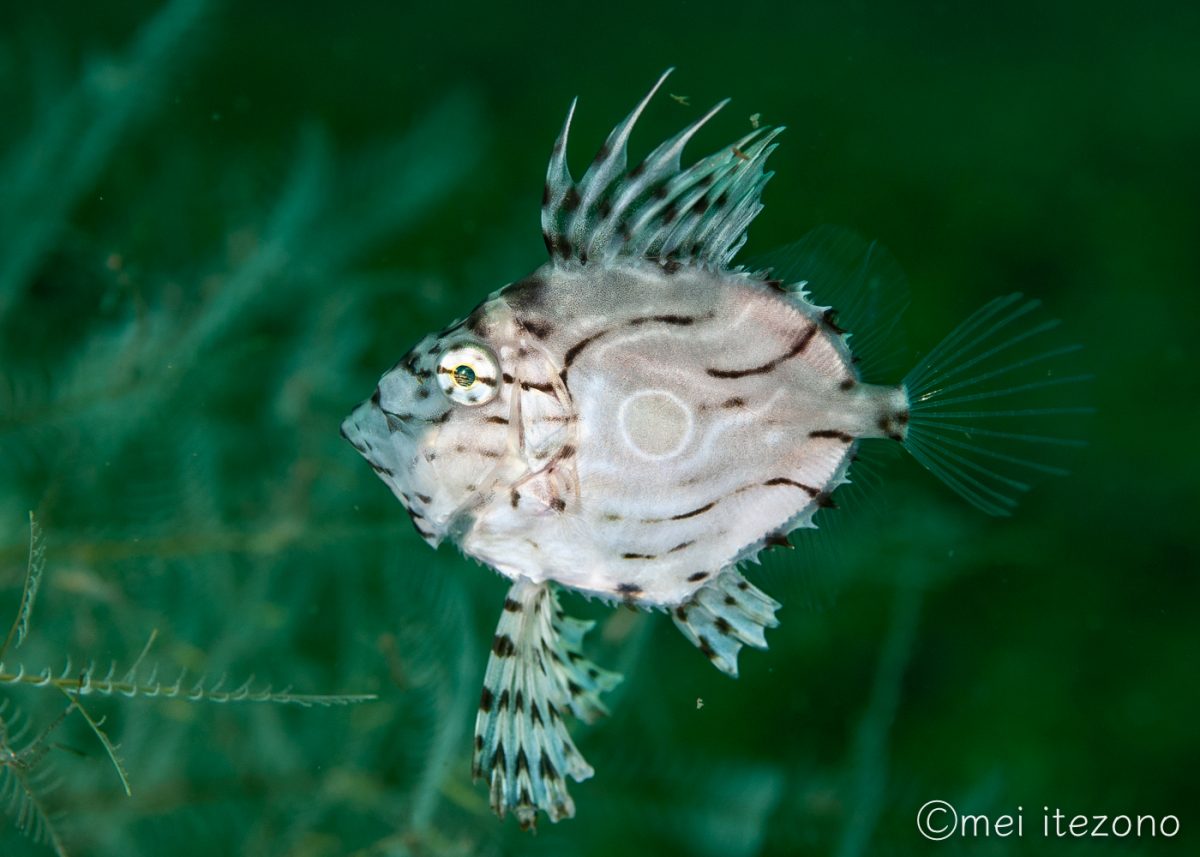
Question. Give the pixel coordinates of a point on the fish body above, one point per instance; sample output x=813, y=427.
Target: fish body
x=678, y=419
x=638, y=416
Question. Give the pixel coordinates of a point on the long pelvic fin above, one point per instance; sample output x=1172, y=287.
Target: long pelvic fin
x=725, y=614
x=535, y=676
x=657, y=210
x=985, y=404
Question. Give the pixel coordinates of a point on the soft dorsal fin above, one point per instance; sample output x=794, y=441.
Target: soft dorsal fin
x=862, y=285
x=658, y=210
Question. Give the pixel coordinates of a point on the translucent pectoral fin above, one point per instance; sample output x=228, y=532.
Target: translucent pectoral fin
x=535, y=676
x=725, y=614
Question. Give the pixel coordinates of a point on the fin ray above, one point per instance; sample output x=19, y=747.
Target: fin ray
x=725, y=614
x=610, y=161
x=658, y=210
x=536, y=675
x=997, y=353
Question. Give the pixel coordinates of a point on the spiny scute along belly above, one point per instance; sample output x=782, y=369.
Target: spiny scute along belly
x=712, y=412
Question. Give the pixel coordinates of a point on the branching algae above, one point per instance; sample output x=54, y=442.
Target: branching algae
x=639, y=416
x=23, y=775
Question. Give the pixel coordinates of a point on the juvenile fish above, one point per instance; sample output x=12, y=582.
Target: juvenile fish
x=638, y=416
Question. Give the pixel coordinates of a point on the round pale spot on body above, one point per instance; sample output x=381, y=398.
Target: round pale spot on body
x=655, y=424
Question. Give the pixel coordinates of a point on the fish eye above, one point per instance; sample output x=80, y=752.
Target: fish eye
x=469, y=374
x=464, y=376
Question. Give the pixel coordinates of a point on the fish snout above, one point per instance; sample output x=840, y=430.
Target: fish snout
x=366, y=428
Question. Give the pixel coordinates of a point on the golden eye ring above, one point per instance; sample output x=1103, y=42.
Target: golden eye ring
x=469, y=374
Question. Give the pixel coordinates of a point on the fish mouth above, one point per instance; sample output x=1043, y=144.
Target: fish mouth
x=352, y=432
x=357, y=428
x=369, y=430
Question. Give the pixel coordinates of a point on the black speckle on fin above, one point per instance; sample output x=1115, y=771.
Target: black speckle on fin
x=536, y=660
x=725, y=614
x=658, y=210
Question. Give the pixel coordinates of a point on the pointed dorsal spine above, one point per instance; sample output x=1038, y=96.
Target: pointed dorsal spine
x=658, y=210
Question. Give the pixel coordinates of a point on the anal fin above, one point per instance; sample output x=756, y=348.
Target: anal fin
x=535, y=675
x=725, y=614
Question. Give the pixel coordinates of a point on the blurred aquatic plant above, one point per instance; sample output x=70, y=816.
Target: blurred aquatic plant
x=23, y=780
x=73, y=136
x=175, y=427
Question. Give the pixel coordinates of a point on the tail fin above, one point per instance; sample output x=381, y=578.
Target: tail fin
x=983, y=404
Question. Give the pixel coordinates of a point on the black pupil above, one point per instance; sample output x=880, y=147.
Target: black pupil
x=464, y=376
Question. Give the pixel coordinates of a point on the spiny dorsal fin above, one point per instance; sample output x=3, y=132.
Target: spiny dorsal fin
x=658, y=210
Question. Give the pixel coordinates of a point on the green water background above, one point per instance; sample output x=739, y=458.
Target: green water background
x=220, y=223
